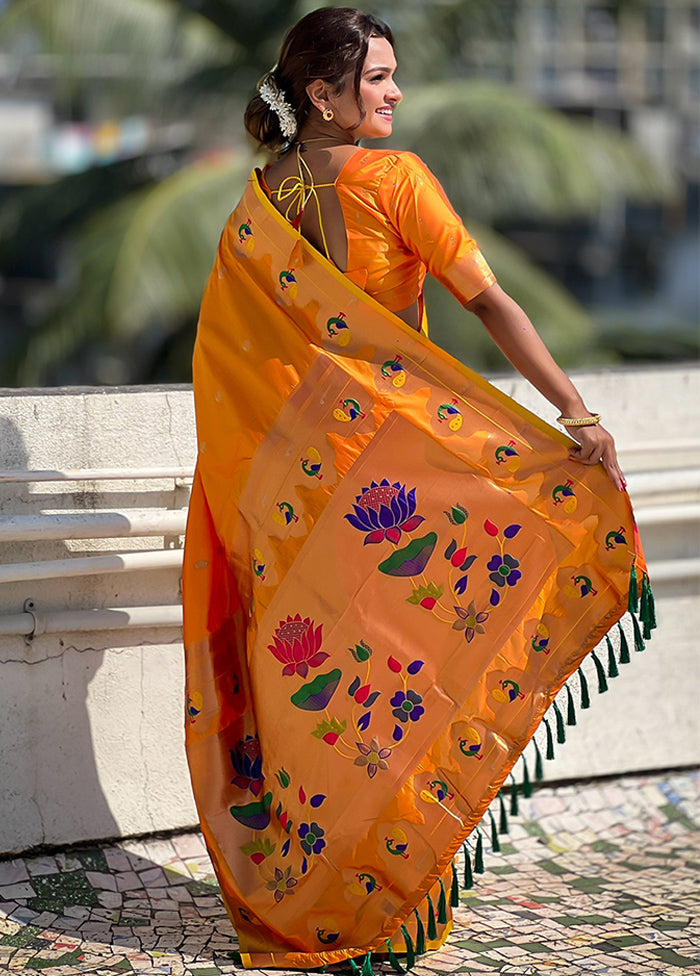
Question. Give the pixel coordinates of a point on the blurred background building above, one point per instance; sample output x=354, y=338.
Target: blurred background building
x=566, y=132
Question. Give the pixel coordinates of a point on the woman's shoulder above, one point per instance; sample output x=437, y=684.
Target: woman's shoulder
x=383, y=162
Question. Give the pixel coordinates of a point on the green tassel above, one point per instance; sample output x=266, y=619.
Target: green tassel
x=503, y=820
x=624, y=646
x=442, y=904
x=367, y=966
x=638, y=642
x=432, y=926
x=454, y=889
x=652, y=603
x=479, y=855
x=495, y=842
x=396, y=965
x=561, y=731
x=549, y=754
x=633, y=596
x=539, y=770
x=600, y=671
x=468, y=876
x=514, y=798
x=355, y=968
x=570, y=708
x=585, y=696
x=612, y=663
x=526, y=785
x=647, y=613
x=410, y=951
x=420, y=935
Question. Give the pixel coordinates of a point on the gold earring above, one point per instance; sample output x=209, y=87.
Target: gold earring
x=328, y=114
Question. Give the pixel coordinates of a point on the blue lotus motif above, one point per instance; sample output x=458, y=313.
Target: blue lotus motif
x=246, y=760
x=385, y=511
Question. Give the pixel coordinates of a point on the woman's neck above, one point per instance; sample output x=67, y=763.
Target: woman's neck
x=325, y=135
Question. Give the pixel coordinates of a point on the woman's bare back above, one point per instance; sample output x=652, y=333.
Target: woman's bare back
x=319, y=167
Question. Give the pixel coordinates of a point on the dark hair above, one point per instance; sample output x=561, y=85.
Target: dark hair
x=328, y=43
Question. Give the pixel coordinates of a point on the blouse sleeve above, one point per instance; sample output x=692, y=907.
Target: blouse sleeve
x=422, y=215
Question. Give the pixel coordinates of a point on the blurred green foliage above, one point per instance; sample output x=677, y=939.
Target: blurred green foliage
x=136, y=238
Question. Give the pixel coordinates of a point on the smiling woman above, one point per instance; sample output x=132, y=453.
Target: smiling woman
x=378, y=608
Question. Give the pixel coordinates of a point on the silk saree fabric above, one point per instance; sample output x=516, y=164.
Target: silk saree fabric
x=390, y=571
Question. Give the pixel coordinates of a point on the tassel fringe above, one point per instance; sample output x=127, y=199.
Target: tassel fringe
x=585, y=694
x=468, y=876
x=442, y=904
x=624, y=646
x=550, y=739
x=600, y=671
x=539, y=769
x=454, y=888
x=420, y=935
x=479, y=855
x=410, y=951
x=495, y=843
x=561, y=731
x=570, y=708
x=395, y=964
x=612, y=663
x=513, y=798
x=526, y=785
x=639, y=644
x=503, y=822
x=432, y=925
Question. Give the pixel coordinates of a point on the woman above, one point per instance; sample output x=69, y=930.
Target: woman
x=391, y=568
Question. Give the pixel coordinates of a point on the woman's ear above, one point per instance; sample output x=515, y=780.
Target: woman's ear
x=318, y=94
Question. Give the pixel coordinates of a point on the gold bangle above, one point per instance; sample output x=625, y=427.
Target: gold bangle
x=579, y=421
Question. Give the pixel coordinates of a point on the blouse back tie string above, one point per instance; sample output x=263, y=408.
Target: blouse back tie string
x=298, y=191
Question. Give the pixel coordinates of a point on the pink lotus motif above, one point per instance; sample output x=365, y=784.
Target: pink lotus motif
x=297, y=645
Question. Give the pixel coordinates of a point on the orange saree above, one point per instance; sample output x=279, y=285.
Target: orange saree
x=390, y=571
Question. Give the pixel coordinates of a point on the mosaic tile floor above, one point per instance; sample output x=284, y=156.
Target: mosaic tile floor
x=595, y=879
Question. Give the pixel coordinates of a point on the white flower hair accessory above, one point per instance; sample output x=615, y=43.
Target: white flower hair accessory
x=274, y=99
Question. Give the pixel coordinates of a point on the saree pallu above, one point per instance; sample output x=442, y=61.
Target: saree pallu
x=390, y=571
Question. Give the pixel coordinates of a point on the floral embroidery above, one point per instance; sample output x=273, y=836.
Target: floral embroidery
x=470, y=621
x=373, y=756
x=246, y=759
x=311, y=836
x=504, y=569
x=298, y=646
x=384, y=511
x=407, y=706
x=282, y=884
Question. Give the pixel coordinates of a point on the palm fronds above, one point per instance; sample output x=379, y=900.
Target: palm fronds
x=501, y=155
x=139, y=265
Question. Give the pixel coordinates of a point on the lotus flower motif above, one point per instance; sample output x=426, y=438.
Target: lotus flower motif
x=297, y=645
x=384, y=511
x=246, y=759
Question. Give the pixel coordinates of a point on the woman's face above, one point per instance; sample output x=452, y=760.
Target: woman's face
x=379, y=94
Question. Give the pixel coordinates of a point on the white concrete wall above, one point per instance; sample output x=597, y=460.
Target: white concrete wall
x=91, y=742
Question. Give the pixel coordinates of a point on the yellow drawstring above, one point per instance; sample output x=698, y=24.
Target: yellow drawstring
x=298, y=193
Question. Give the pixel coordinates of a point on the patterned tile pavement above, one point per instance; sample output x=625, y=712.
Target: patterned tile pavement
x=598, y=878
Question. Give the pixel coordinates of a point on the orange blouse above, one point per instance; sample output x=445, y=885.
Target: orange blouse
x=399, y=225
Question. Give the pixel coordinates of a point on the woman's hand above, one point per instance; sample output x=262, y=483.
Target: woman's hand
x=597, y=444
x=516, y=337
